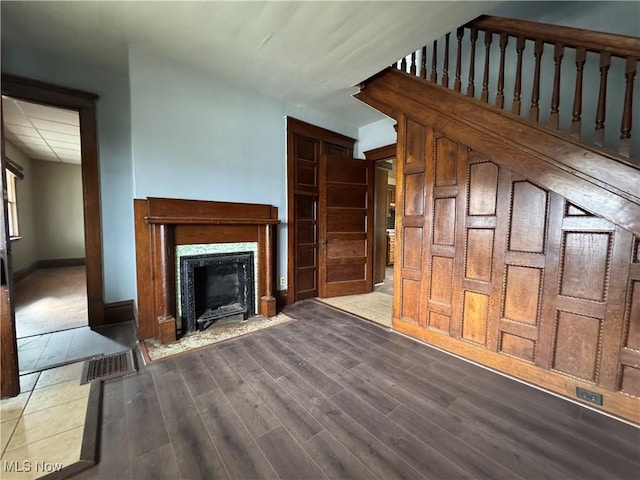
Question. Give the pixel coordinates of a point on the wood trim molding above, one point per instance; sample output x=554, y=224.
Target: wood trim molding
x=303, y=128
x=603, y=183
x=118, y=312
x=85, y=104
x=382, y=153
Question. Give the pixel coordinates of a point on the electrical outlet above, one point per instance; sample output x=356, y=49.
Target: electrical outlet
x=588, y=395
x=283, y=282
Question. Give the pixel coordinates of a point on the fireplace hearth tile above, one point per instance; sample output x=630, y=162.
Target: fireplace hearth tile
x=153, y=351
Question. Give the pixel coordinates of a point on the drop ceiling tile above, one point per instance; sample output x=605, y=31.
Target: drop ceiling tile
x=64, y=150
x=58, y=127
x=15, y=118
x=10, y=106
x=60, y=137
x=19, y=130
x=50, y=156
x=32, y=141
x=67, y=145
x=49, y=113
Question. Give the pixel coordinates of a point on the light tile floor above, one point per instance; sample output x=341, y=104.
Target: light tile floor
x=375, y=306
x=42, y=428
x=52, y=349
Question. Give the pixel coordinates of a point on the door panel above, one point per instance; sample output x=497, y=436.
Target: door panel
x=345, y=226
x=9, y=377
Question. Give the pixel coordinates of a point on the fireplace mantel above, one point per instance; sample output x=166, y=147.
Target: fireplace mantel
x=161, y=224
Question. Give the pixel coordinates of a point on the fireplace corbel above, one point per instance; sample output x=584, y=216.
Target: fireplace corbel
x=161, y=224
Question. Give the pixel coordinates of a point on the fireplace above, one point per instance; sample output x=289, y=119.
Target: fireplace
x=215, y=289
x=164, y=226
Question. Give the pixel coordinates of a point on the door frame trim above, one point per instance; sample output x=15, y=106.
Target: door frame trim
x=299, y=127
x=85, y=104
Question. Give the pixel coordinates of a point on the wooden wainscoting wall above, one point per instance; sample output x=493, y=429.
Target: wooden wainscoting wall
x=305, y=144
x=501, y=270
x=518, y=244
x=163, y=223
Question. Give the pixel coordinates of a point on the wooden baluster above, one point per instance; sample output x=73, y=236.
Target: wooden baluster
x=517, y=99
x=423, y=63
x=413, y=63
x=504, y=39
x=434, y=62
x=534, y=111
x=472, y=63
x=554, y=118
x=605, y=63
x=484, y=96
x=576, y=127
x=625, y=128
x=445, y=67
x=456, y=83
x=403, y=64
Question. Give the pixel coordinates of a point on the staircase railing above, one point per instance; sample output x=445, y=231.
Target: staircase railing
x=604, y=63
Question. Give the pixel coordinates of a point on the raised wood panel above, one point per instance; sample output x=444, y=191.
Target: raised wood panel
x=346, y=196
x=522, y=294
x=306, y=208
x=306, y=148
x=442, y=280
x=479, y=254
x=410, y=304
x=631, y=380
x=633, y=329
x=306, y=174
x=414, y=194
x=347, y=248
x=444, y=221
x=474, y=317
x=576, y=349
x=446, y=158
x=528, y=218
x=412, y=252
x=573, y=211
x=529, y=271
x=483, y=188
x=347, y=223
x=306, y=256
x=415, y=143
x=348, y=173
x=307, y=280
x=523, y=348
x=345, y=273
x=306, y=232
x=440, y=322
x=585, y=261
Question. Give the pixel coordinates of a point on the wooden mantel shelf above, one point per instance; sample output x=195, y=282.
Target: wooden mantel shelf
x=151, y=220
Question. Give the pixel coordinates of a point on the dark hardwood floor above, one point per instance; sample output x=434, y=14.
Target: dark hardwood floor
x=332, y=396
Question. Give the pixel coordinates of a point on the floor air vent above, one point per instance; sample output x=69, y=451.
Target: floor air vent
x=108, y=366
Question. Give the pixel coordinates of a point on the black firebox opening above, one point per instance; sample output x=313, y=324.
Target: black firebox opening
x=216, y=288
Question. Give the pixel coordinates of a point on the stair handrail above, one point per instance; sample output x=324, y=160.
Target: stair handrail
x=585, y=43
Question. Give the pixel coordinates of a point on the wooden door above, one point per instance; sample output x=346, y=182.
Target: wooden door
x=9, y=377
x=345, y=226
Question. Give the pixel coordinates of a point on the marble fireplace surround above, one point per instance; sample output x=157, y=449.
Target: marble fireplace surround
x=162, y=224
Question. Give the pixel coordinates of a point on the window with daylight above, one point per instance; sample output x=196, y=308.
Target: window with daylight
x=12, y=204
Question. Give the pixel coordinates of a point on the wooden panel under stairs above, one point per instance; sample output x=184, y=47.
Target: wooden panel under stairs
x=519, y=246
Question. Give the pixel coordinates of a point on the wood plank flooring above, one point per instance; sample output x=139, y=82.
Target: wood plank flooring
x=332, y=396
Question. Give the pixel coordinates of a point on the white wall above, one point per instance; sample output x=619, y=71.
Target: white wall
x=23, y=251
x=196, y=137
x=58, y=213
x=376, y=134
x=114, y=139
